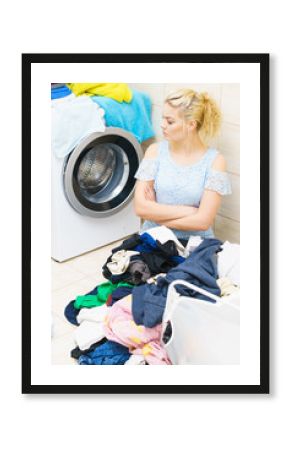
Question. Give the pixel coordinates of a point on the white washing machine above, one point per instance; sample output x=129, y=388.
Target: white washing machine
x=92, y=193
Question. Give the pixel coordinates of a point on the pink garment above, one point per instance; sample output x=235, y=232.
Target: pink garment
x=120, y=327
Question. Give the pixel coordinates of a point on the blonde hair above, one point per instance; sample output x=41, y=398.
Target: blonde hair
x=199, y=107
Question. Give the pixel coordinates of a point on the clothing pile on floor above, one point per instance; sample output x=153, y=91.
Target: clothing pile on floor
x=120, y=320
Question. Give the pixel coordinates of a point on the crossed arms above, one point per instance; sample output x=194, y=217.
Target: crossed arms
x=180, y=217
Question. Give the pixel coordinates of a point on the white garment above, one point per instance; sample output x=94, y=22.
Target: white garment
x=95, y=314
x=164, y=234
x=136, y=360
x=91, y=328
x=120, y=261
x=88, y=333
x=228, y=262
x=227, y=287
x=72, y=119
x=192, y=243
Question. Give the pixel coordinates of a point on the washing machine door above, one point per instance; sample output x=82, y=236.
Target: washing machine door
x=99, y=173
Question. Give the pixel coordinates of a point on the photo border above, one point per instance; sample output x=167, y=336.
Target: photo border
x=27, y=61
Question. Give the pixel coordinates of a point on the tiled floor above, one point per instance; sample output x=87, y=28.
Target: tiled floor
x=69, y=279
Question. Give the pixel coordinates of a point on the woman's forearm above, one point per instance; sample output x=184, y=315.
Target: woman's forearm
x=192, y=222
x=151, y=210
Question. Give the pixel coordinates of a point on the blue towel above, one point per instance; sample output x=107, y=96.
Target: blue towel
x=110, y=353
x=149, y=244
x=134, y=117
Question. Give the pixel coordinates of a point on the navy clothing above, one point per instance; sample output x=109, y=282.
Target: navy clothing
x=200, y=268
x=167, y=251
x=129, y=243
x=158, y=262
x=147, y=244
x=77, y=352
x=121, y=292
x=93, y=291
x=159, y=258
x=110, y=353
x=70, y=312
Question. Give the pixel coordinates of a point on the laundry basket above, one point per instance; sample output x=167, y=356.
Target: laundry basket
x=202, y=332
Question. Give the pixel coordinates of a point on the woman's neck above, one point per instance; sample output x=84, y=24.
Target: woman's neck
x=190, y=145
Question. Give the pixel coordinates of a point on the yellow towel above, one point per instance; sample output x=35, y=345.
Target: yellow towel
x=117, y=91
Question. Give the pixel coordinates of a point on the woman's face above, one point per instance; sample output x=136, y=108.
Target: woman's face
x=173, y=125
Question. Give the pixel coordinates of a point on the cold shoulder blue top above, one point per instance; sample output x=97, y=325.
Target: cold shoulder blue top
x=177, y=184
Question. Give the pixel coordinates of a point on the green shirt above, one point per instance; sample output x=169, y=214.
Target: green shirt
x=104, y=290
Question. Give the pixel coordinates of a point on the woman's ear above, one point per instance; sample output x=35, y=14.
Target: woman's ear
x=192, y=125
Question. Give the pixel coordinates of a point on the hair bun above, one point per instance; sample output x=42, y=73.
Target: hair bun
x=199, y=107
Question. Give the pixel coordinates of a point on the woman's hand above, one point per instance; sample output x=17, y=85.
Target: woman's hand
x=190, y=211
x=202, y=218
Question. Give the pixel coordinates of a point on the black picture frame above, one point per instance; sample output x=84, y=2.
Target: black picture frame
x=263, y=61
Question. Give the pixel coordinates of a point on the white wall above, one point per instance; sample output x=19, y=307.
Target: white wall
x=227, y=96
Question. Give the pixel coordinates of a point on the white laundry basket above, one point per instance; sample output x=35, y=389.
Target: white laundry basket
x=202, y=332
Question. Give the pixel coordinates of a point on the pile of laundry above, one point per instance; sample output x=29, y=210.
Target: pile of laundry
x=79, y=109
x=120, y=320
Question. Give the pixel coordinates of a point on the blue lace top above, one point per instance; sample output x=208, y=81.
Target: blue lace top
x=177, y=184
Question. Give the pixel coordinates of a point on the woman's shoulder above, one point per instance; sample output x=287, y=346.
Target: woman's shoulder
x=217, y=178
x=149, y=165
x=219, y=162
x=153, y=150
x=215, y=160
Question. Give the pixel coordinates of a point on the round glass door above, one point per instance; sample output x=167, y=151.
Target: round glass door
x=99, y=175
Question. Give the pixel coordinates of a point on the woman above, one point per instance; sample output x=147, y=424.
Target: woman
x=180, y=180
